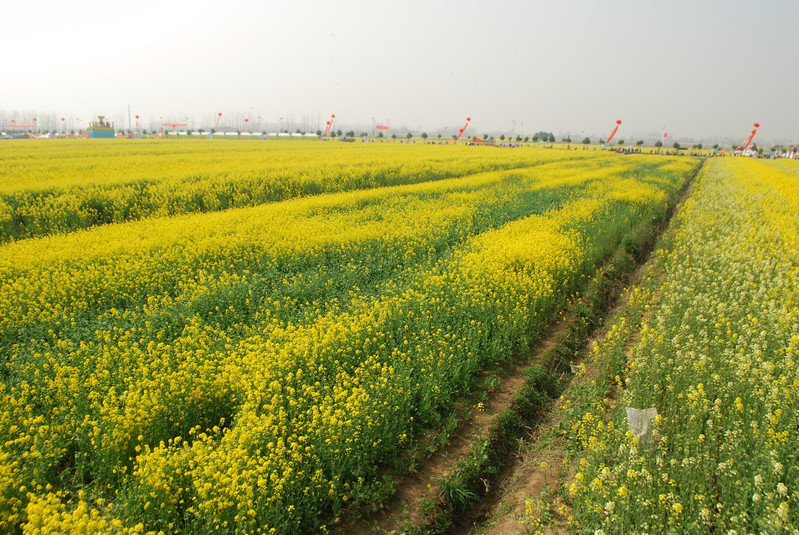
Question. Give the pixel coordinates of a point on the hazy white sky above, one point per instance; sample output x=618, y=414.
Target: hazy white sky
x=699, y=69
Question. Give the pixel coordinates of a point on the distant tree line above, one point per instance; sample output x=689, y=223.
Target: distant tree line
x=544, y=136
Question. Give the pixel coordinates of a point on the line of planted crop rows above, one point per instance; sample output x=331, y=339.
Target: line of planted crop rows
x=61, y=186
x=718, y=361
x=253, y=369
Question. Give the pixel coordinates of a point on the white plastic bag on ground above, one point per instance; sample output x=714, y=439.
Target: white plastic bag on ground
x=638, y=420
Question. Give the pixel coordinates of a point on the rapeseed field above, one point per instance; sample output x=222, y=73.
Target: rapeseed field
x=257, y=369
x=716, y=357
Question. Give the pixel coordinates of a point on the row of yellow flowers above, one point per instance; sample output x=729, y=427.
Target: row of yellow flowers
x=717, y=359
x=66, y=185
x=254, y=370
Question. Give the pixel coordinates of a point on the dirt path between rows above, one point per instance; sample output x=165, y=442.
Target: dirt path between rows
x=406, y=508
x=542, y=467
x=539, y=470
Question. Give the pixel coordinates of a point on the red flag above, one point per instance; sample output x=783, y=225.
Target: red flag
x=751, y=137
x=618, y=122
x=329, y=125
x=460, y=132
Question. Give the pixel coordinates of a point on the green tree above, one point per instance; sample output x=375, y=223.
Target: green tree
x=380, y=134
x=639, y=142
x=586, y=141
x=424, y=135
x=676, y=145
x=409, y=135
x=658, y=143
